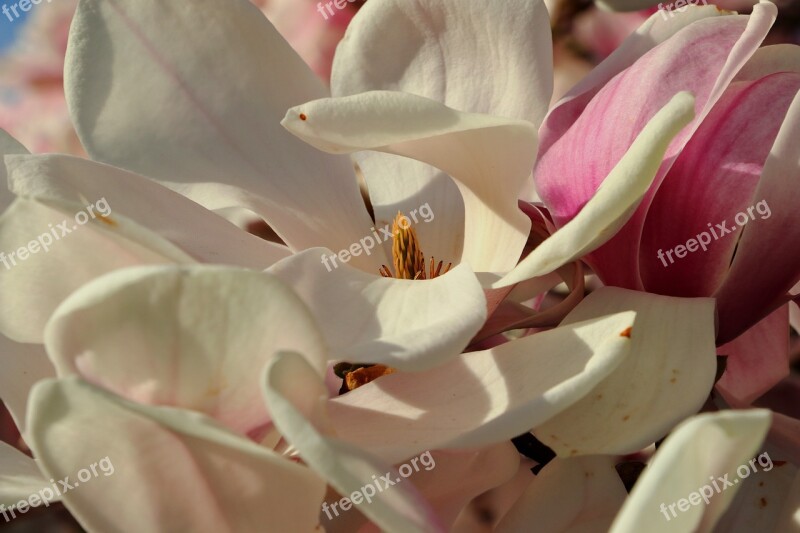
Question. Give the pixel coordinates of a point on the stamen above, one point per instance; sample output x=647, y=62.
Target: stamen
x=409, y=262
x=407, y=256
x=364, y=375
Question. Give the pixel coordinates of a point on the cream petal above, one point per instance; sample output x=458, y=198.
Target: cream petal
x=199, y=233
x=192, y=337
x=295, y=396
x=163, y=469
x=8, y=146
x=705, y=446
x=433, y=49
x=405, y=324
x=33, y=288
x=22, y=366
x=19, y=476
x=489, y=157
x=453, y=478
x=219, y=78
x=577, y=494
x=483, y=397
x=667, y=377
x=766, y=499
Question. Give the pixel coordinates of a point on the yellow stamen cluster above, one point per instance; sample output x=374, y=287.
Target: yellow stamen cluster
x=407, y=256
x=364, y=375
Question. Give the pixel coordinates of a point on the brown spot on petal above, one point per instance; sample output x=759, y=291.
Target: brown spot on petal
x=303, y=116
x=673, y=380
x=626, y=418
x=626, y=333
x=762, y=502
x=107, y=220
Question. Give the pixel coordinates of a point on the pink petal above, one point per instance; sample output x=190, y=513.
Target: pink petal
x=572, y=167
x=757, y=359
x=712, y=180
x=767, y=265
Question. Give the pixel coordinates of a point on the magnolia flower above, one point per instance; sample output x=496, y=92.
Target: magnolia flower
x=165, y=101
x=150, y=224
x=750, y=270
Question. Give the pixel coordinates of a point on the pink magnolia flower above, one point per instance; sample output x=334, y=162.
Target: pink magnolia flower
x=737, y=154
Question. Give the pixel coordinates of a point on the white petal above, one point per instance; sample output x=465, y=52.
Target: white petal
x=194, y=338
x=205, y=237
x=706, y=446
x=435, y=49
x=667, y=377
x=8, y=146
x=451, y=479
x=22, y=366
x=484, y=397
x=32, y=288
x=295, y=396
x=768, y=60
x=489, y=157
x=218, y=80
x=497, y=61
x=405, y=324
x=162, y=469
x=614, y=202
x=766, y=499
x=19, y=476
x=578, y=494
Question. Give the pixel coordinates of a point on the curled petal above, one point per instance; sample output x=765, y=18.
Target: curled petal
x=163, y=469
x=295, y=396
x=707, y=445
x=193, y=338
x=484, y=397
x=489, y=157
x=405, y=324
x=667, y=377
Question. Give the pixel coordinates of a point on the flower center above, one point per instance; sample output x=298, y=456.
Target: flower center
x=409, y=263
x=407, y=256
